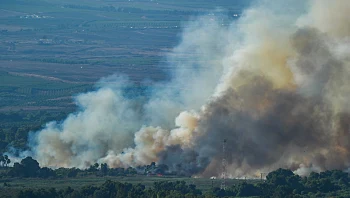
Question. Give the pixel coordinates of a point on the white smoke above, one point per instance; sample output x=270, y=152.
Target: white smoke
x=106, y=122
x=276, y=83
x=84, y=135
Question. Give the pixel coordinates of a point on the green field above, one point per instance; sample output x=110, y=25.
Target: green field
x=18, y=90
x=53, y=49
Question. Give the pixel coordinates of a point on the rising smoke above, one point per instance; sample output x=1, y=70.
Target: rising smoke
x=275, y=84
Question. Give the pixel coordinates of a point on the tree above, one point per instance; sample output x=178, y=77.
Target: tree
x=26, y=193
x=17, y=170
x=31, y=167
x=6, y=160
x=46, y=173
x=88, y=191
x=130, y=171
x=93, y=168
x=101, y=194
x=279, y=176
x=104, y=169
x=320, y=182
x=246, y=190
x=73, y=172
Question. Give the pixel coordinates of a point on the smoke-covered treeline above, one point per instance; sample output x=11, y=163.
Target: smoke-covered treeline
x=275, y=84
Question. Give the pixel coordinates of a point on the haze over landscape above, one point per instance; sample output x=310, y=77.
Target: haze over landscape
x=128, y=83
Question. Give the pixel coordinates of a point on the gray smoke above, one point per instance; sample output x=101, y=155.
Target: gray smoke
x=275, y=84
x=107, y=120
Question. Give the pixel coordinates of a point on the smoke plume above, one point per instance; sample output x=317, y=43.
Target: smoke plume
x=275, y=83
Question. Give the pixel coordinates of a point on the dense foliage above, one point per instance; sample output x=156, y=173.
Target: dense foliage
x=279, y=183
x=119, y=190
x=16, y=126
x=284, y=183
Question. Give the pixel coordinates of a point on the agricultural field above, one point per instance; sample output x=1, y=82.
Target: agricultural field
x=19, y=90
x=54, y=49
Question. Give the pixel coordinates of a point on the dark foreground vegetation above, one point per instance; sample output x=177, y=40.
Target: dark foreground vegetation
x=279, y=183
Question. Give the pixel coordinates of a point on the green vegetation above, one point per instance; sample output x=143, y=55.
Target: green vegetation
x=27, y=179
x=117, y=189
x=35, y=90
x=15, y=126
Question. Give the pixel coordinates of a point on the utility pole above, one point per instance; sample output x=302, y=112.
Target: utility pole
x=224, y=164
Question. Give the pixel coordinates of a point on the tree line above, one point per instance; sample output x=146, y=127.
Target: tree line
x=281, y=183
x=119, y=190
x=30, y=168
x=278, y=183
